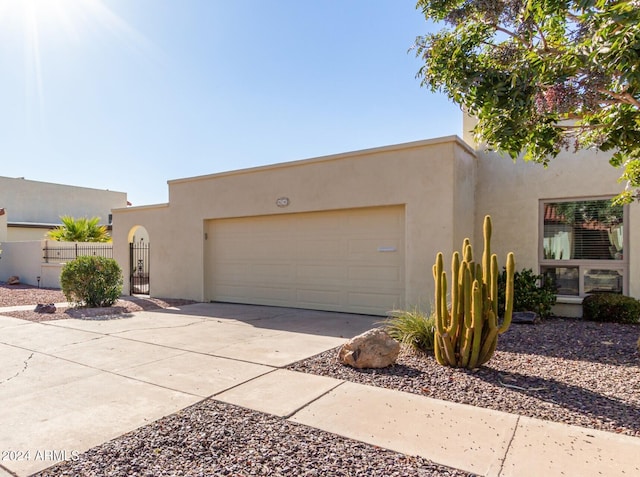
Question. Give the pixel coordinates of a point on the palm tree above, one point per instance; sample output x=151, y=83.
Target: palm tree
x=80, y=230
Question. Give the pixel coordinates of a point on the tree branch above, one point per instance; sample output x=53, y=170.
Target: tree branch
x=545, y=45
x=626, y=98
x=515, y=36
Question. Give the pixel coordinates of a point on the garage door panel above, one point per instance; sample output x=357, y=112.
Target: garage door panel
x=273, y=272
x=241, y=293
x=392, y=276
x=373, y=245
x=314, y=298
x=364, y=300
x=348, y=260
x=324, y=273
x=271, y=248
x=314, y=224
x=328, y=249
x=376, y=220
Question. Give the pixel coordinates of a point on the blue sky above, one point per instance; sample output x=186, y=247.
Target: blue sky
x=128, y=94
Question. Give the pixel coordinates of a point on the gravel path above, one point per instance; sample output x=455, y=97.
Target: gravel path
x=564, y=370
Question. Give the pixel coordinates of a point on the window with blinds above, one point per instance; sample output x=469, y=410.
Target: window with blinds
x=582, y=246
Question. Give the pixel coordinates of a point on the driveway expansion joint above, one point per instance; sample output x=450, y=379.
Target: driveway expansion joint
x=508, y=448
x=317, y=398
x=272, y=370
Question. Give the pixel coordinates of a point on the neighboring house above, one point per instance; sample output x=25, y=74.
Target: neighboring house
x=33, y=208
x=359, y=231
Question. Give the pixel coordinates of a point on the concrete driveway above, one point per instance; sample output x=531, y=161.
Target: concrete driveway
x=69, y=385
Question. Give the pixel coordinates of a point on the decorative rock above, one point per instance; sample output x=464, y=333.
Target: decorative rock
x=13, y=280
x=527, y=317
x=372, y=349
x=50, y=308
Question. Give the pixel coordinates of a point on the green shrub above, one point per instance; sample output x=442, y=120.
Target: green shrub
x=530, y=292
x=611, y=307
x=411, y=328
x=92, y=281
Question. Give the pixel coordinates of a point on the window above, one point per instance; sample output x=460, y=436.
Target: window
x=582, y=246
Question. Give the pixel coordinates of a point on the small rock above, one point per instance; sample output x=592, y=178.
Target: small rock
x=528, y=317
x=372, y=349
x=49, y=308
x=13, y=280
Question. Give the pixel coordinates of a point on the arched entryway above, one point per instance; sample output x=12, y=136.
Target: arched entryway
x=139, y=263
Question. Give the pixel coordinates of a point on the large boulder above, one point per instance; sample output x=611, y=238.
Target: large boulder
x=13, y=280
x=372, y=349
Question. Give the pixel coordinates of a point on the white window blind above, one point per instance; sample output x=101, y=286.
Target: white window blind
x=583, y=230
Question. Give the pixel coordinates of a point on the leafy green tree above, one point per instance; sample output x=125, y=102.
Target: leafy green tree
x=80, y=230
x=542, y=75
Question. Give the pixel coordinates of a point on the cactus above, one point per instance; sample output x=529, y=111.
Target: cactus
x=466, y=332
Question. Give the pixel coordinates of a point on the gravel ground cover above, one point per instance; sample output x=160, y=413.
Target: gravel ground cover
x=563, y=370
x=216, y=439
x=212, y=438
x=15, y=295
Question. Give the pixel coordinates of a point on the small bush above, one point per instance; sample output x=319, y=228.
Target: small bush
x=411, y=328
x=611, y=307
x=92, y=281
x=528, y=294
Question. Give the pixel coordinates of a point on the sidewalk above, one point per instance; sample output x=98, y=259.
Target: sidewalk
x=69, y=385
x=486, y=442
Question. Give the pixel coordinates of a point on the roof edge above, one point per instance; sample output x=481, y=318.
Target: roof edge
x=332, y=157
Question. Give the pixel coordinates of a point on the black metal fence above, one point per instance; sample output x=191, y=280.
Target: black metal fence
x=64, y=253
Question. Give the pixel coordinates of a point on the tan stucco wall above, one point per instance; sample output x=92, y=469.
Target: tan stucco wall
x=21, y=234
x=44, y=202
x=445, y=189
x=157, y=225
x=3, y=225
x=419, y=175
x=510, y=192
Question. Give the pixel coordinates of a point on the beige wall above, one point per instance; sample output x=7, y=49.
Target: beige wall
x=419, y=175
x=43, y=202
x=165, y=239
x=3, y=225
x=445, y=189
x=24, y=259
x=511, y=192
x=21, y=234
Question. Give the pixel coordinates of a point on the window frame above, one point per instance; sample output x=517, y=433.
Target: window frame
x=582, y=265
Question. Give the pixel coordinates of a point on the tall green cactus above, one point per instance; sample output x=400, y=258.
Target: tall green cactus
x=467, y=331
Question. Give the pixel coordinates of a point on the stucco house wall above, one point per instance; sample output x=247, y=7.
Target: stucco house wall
x=511, y=192
x=433, y=180
x=3, y=226
x=34, y=207
x=442, y=187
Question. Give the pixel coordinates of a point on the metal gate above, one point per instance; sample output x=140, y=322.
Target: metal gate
x=139, y=267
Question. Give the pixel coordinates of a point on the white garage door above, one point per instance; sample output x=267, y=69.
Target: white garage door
x=347, y=260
